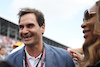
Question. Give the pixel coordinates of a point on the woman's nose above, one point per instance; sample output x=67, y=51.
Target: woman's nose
x=84, y=24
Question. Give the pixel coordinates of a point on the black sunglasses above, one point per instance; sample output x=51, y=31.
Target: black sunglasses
x=88, y=14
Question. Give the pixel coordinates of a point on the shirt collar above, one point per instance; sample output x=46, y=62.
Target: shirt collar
x=30, y=57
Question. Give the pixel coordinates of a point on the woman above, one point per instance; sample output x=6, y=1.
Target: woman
x=91, y=46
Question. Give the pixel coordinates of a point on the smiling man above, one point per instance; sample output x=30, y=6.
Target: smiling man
x=36, y=53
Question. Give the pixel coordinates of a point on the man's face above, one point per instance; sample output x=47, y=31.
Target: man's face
x=88, y=26
x=29, y=29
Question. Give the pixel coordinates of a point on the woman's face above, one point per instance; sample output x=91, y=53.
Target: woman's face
x=88, y=25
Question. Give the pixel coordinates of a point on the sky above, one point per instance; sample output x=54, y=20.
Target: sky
x=63, y=18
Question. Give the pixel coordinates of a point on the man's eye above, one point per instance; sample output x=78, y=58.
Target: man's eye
x=20, y=26
x=30, y=25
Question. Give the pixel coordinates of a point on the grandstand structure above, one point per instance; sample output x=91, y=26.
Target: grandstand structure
x=9, y=32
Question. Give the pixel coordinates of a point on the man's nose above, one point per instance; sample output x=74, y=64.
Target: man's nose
x=25, y=31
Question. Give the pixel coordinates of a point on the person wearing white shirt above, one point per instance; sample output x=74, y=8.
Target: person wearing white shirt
x=36, y=53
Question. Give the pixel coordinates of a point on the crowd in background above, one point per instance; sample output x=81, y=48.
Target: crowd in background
x=7, y=43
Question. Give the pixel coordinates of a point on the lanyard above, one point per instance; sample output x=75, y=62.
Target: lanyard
x=42, y=58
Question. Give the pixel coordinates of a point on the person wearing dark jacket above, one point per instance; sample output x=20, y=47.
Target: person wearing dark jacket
x=36, y=53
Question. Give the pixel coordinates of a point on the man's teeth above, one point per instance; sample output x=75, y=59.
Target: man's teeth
x=27, y=37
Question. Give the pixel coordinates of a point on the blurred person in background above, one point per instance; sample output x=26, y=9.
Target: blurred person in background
x=17, y=46
x=2, y=52
x=91, y=46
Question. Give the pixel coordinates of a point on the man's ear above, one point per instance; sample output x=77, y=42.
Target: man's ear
x=43, y=28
